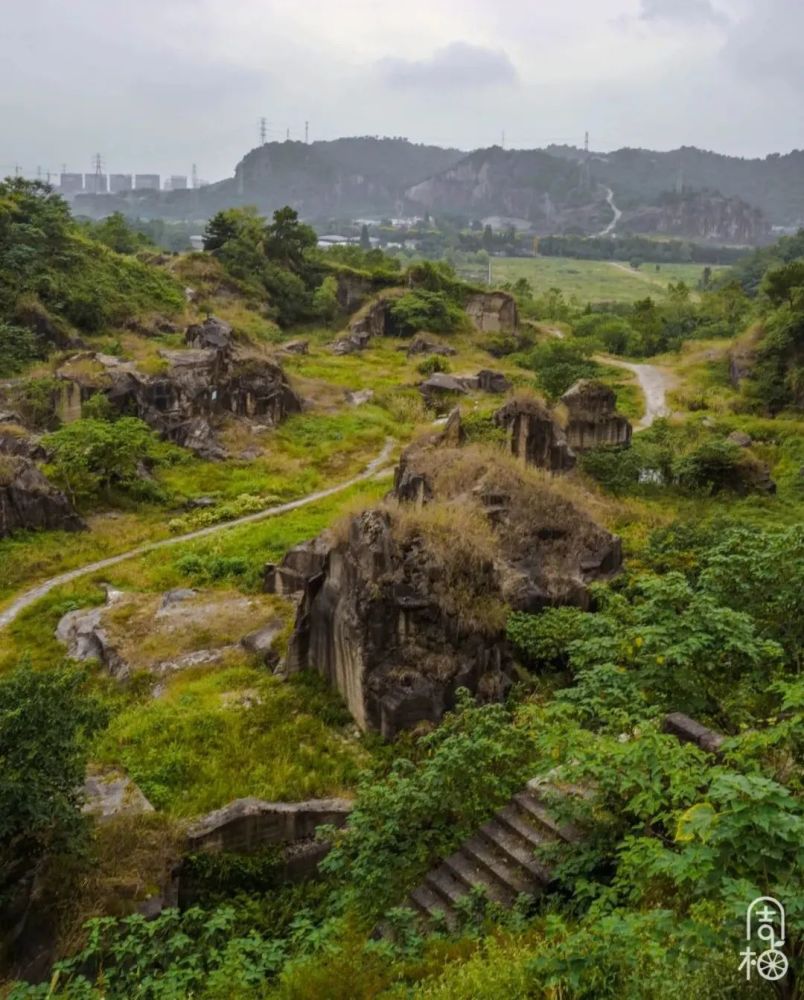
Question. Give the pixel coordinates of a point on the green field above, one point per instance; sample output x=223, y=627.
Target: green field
x=594, y=280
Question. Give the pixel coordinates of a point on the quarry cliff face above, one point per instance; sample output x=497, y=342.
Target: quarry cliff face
x=701, y=215
x=407, y=602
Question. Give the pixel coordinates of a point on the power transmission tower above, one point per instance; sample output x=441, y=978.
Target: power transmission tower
x=287, y=135
x=586, y=143
x=263, y=131
x=195, y=176
x=503, y=139
x=306, y=132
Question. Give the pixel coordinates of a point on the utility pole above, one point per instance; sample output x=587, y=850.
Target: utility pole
x=586, y=143
x=488, y=278
x=306, y=132
x=263, y=131
x=503, y=139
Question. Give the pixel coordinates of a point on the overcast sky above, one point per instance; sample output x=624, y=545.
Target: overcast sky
x=156, y=85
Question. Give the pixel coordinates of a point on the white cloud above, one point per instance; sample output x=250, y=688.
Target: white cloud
x=455, y=66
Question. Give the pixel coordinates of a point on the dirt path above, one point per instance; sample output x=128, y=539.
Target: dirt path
x=617, y=213
x=654, y=382
x=40, y=590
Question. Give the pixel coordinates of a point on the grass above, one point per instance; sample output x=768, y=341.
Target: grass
x=220, y=734
x=595, y=280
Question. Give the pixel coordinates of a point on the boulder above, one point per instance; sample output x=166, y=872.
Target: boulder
x=424, y=345
x=741, y=363
x=592, y=419
x=15, y=440
x=29, y=501
x=493, y=312
x=263, y=642
x=113, y=794
x=440, y=384
x=296, y=347
x=86, y=637
x=534, y=435
x=398, y=615
x=213, y=333
x=359, y=397
x=298, y=565
x=491, y=381
x=740, y=438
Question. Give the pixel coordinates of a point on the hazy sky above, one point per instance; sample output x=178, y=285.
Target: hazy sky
x=155, y=85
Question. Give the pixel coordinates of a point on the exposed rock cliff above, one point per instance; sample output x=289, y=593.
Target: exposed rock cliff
x=704, y=215
x=534, y=435
x=186, y=402
x=592, y=418
x=28, y=500
x=407, y=604
x=493, y=312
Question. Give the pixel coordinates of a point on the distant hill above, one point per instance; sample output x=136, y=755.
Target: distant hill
x=561, y=189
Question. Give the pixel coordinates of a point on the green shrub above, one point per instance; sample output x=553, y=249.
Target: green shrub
x=424, y=310
x=18, y=349
x=433, y=363
x=558, y=364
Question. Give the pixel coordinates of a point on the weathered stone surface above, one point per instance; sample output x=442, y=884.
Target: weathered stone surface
x=741, y=364
x=534, y=435
x=425, y=345
x=263, y=642
x=353, y=290
x=592, y=417
x=29, y=501
x=213, y=333
x=186, y=402
x=740, y=438
x=246, y=825
x=84, y=634
x=441, y=384
x=491, y=381
x=15, y=440
x=113, y=794
x=369, y=323
x=298, y=565
x=377, y=619
x=689, y=731
x=296, y=347
x=359, y=397
x=493, y=312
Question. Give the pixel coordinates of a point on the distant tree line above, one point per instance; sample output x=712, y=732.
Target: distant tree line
x=638, y=248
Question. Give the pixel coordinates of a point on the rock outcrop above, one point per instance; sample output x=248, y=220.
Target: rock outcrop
x=407, y=604
x=441, y=384
x=592, y=418
x=534, y=435
x=425, y=345
x=186, y=402
x=29, y=501
x=213, y=334
x=370, y=322
x=493, y=312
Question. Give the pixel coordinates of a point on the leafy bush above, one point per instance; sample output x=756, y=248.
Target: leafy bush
x=403, y=821
x=18, y=349
x=45, y=721
x=95, y=458
x=425, y=310
x=559, y=364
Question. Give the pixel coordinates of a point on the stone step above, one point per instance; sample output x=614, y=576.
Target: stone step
x=473, y=875
x=515, y=849
x=516, y=822
x=445, y=885
x=536, y=810
x=510, y=876
x=431, y=906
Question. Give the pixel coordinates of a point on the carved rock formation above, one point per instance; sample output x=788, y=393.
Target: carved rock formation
x=29, y=501
x=534, y=435
x=400, y=613
x=592, y=417
x=493, y=312
x=184, y=404
x=214, y=334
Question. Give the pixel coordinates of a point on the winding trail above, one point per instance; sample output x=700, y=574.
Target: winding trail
x=40, y=590
x=655, y=382
x=617, y=214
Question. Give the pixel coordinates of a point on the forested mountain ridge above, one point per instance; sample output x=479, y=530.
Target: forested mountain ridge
x=559, y=189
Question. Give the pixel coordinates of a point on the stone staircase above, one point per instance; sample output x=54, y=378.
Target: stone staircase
x=501, y=859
